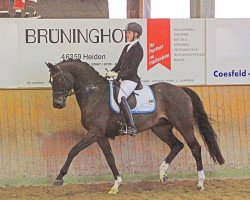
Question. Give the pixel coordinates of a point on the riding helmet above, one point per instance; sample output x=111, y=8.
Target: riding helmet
x=135, y=27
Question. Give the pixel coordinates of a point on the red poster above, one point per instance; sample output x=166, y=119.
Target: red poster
x=18, y=4
x=158, y=43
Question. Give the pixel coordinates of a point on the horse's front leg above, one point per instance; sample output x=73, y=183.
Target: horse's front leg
x=106, y=149
x=87, y=140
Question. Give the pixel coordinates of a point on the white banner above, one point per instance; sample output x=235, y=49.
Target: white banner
x=98, y=42
x=187, y=54
x=8, y=54
x=30, y=43
x=228, y=46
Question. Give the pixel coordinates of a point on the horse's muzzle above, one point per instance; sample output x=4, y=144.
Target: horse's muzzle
x=59, y=102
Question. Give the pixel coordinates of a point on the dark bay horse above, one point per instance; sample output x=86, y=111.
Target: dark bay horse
x=177, y=107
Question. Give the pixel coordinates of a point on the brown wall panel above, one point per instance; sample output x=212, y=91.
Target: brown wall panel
x=35, y=138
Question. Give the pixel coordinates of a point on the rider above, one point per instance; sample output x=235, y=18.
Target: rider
x=127, y=68
x=27, y=5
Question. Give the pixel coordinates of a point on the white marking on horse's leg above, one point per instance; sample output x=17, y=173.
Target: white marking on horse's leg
x=117, y=183
x=163, y=171
x=201, y=177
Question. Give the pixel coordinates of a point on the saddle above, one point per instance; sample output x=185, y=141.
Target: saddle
x=142, y=100
x=131, y=99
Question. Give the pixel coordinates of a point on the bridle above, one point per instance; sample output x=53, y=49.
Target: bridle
x=65, y=92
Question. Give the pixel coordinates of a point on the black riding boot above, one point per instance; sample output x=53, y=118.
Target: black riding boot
x=128, y=116
x=17, y=15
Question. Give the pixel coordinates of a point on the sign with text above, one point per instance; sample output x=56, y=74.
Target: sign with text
x=228, y=45
x=173, y=49
x=185, y=45
x=188, y=51
x=97, y=42
x=158, y=43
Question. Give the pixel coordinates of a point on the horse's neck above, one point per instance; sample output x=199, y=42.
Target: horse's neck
x=83, y=79
x=87, y=87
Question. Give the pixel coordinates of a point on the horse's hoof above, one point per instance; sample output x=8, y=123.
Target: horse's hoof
x=113, y=191
x=200, y=188
x=164, y=179
x=58, y=182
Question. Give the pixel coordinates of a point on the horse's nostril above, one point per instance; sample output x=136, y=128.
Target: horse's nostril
x=55, y=105
x=58, y=103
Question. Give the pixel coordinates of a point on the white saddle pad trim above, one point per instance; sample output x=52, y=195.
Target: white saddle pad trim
x=145, y=100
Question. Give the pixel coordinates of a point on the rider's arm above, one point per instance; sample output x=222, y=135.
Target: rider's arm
x=116, y=68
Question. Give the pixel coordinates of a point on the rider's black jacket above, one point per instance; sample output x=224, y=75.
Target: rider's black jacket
x=129, y=62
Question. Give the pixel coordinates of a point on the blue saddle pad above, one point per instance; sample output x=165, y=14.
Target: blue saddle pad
x=145, y=100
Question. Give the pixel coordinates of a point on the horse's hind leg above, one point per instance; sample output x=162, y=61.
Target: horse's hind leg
x=187, y=131
x=165, y=133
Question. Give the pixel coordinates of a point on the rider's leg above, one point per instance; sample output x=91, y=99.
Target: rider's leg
x=126, y=88
x=128, y=116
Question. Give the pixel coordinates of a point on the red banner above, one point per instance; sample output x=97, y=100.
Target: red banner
x=158, y=43
x=18, y=4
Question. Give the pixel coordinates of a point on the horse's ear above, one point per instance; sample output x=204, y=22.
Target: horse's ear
x=50, y=66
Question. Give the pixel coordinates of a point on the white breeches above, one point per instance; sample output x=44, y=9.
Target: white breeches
x=29, y=0
x=126, y=88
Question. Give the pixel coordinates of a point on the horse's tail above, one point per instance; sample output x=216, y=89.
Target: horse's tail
x=205, y=128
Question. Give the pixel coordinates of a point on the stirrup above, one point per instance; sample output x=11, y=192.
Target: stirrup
x=131, y=131
x=124, y=129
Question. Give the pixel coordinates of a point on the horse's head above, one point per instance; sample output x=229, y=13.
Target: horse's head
x=62, y=83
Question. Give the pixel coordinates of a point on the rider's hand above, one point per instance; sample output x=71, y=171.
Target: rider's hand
x=111, y=74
